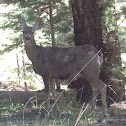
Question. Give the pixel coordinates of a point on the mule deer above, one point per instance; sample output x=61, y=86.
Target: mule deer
x=64, y=63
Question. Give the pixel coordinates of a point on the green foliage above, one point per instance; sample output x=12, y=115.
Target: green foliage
x=33, y=10
x=114, y=38
x=112, y=20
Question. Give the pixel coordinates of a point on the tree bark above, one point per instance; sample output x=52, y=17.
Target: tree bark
x=87, y=22
x=52, y=24
x=112, y=62
x=88, y=30
x=18, y=67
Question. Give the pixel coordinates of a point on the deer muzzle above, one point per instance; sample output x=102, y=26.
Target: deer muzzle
x=27, y=38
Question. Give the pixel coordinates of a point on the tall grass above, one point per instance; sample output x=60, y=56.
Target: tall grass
x=29, y=114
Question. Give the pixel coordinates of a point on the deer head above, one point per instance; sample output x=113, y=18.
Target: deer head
x=28, y=32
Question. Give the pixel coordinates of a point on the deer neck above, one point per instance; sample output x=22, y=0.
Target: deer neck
x=32, y=50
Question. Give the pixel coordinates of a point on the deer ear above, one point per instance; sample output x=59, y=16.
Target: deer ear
x=38, y=25
x=23, y=22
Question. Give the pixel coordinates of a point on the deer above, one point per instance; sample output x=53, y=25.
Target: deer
x=57, y=63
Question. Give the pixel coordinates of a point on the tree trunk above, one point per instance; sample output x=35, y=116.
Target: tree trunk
x=111, y=74
x=87, y=23
x=18, y=67
x=51, y=24
x=88, y=30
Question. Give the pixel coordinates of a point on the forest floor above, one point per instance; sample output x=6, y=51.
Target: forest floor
x=36, y=117
x=20, y=114
x=117, y=115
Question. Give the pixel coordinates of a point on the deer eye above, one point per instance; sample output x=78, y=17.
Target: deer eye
x=23, y=32
x=33, y=32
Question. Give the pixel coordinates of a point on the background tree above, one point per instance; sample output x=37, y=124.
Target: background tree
x=111, y=73
x=56, y=26
x=88, y=30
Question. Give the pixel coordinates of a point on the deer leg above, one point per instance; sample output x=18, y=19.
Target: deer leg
x=47, y=91
x=53, y=90
x=95, y=92
x=103, y=88
x=58, y=85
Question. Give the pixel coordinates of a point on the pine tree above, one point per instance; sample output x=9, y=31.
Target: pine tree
x=55, y=14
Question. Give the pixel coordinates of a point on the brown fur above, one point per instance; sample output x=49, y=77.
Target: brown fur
x=64, y=63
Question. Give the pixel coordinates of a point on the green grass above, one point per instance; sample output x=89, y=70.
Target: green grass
x=32, y=114
x=11, y=114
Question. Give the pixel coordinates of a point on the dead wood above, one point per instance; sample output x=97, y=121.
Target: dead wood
x=23, y=96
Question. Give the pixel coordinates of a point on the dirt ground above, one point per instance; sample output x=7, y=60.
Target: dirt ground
x=117, y=115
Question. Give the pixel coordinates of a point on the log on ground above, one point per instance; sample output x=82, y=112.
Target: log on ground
x=24, y=96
